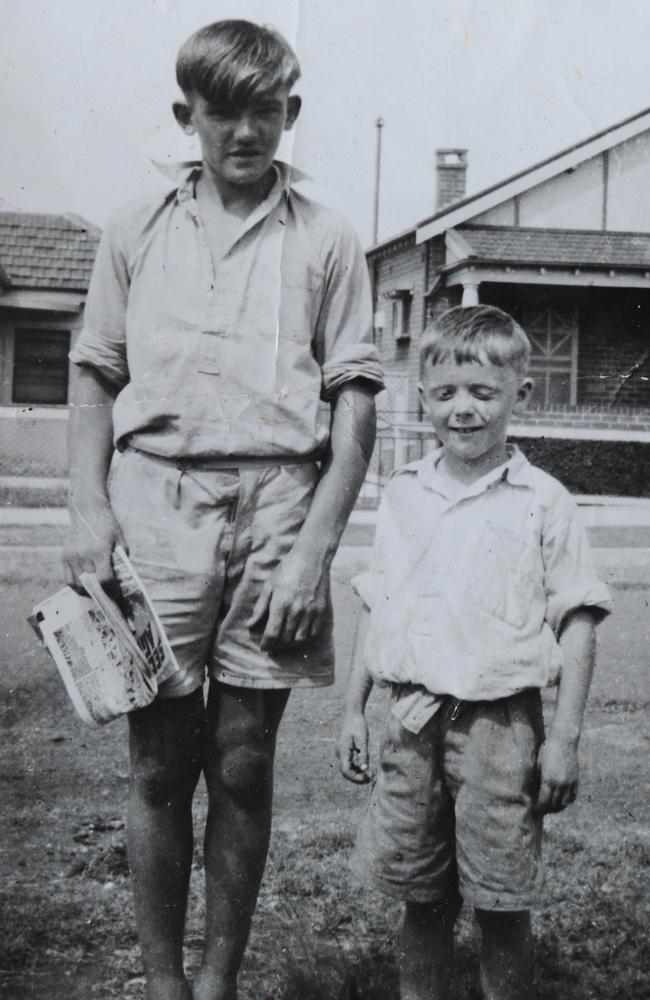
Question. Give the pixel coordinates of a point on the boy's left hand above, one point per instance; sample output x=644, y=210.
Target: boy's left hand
x=292, y=604
x=558, y=767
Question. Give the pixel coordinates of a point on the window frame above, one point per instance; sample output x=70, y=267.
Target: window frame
x=538, y=372
x=37, y=326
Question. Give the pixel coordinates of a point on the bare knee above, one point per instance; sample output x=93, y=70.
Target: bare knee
x=244, y=772
x=156, y=783
x=165, y=750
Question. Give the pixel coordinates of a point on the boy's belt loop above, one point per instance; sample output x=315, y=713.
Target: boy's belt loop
x=182, y=467
x=455, y=709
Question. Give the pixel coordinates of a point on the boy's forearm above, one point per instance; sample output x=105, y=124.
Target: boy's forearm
x=359, y=687
x=578, y=645
x=90, y=437
x=352, y=438
x=359, y=681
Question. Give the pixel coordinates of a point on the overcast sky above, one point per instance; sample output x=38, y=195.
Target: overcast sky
x=86, y=88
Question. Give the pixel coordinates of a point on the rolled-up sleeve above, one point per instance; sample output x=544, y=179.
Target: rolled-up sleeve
x=570, y=578
x=102, y=342
x=343, y=343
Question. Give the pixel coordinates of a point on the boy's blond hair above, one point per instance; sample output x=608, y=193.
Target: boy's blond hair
x=230, y=63
x=482, y=334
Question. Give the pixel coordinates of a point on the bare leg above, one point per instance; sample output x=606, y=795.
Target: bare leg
x=427, y=959
x=506, y=955
x=165, y=745
x=241, y=731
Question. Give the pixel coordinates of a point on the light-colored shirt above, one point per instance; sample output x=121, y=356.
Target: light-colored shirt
x=217, y=358
x=468, y=588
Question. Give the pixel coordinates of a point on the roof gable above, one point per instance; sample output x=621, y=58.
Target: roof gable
x=50, y=252
x=468, y=208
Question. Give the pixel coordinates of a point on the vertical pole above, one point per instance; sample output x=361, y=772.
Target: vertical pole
x=379, y=124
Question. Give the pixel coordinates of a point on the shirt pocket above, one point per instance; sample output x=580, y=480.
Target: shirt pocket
x=505, y=574
x=301, y=295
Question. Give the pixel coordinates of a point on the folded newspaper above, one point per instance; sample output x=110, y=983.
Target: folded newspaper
x=111, y=651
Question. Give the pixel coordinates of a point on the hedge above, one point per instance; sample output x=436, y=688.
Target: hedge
x=605, y=468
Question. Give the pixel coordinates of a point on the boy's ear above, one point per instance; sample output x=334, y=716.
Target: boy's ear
x=523, y=395
x=183, y=115
x=294, y=104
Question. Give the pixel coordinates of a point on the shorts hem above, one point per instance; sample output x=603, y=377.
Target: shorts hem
x=403, y=891
x=270, y=683
x=502, y=902
x=181, y=691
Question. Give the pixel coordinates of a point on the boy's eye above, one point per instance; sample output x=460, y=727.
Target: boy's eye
x=220, y=113
x=267, y=110
x=445, y=393
x=482, y=392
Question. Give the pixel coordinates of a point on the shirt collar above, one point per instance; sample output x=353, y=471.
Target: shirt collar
x=516, y=471
x=184, y=175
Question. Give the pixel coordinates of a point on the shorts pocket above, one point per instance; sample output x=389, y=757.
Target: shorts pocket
x=526, y=722
x=506, y=574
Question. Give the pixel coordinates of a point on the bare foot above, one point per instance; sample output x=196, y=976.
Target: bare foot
x=208, y=986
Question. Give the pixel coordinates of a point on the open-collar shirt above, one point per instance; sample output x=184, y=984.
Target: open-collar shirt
x=468, y=588
x=232, y=356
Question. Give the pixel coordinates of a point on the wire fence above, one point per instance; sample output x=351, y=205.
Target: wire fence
x=396, y=445
x=33, y=446
x=33, y=441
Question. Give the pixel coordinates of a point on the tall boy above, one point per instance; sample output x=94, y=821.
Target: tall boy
x=481, y=593
x=218, y=319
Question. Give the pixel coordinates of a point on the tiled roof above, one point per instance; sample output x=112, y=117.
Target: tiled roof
x=557, y=246
x=47, y=251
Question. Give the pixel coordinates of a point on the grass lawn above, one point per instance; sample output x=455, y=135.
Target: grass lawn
x=66, y=924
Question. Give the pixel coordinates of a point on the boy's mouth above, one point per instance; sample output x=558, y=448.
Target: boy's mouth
x=465, y=430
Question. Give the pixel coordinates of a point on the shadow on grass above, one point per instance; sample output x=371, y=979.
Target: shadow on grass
x=317, y=967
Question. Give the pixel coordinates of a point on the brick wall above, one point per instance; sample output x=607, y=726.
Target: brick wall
x=597, y=418
x=451, y=176
x=614, y=349
x=400, y=265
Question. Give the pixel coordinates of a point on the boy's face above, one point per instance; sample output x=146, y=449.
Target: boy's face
x=239, y=143
x=470, y=406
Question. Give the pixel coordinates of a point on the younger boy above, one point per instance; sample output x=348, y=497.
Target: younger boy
x=219, y=319
x=481, y=593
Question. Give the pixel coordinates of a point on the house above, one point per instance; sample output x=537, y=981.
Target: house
x=45, y=266
x=565, y=247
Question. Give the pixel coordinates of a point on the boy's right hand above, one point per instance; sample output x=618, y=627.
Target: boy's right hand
x=92, y=539
x=353, y=748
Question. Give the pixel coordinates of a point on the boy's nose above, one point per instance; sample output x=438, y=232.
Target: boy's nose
x=245, y=127
x=463, y=404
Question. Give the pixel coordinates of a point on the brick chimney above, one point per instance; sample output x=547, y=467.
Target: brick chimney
x=451, y=172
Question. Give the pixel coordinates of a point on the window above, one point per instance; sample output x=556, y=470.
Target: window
x=40, y=373
x=553, y=335
x=400, y=313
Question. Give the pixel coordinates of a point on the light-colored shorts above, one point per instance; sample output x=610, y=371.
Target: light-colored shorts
x=451, y=811
x=204, y=542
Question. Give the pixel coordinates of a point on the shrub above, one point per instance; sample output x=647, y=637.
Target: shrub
x=605, y=468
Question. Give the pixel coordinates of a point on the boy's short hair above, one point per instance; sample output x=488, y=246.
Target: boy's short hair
x=475, y=334
x=229, y=63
